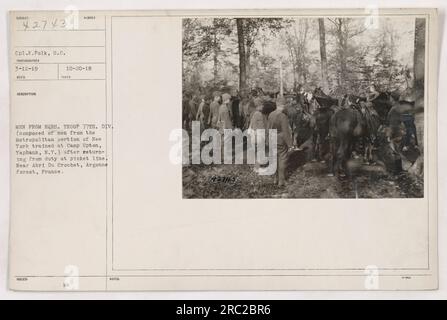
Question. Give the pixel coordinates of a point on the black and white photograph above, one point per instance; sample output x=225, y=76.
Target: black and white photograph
x=303, y=107
x=233, y=151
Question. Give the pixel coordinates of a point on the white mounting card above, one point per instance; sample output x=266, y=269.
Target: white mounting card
x=124, y=174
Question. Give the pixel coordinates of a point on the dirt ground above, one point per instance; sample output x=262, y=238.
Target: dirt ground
x=306, y=180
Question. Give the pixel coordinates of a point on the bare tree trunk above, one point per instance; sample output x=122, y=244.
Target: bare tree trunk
x=323, y=56
x=342, y=48
x=418, y=86
x=299, y=48
x=247, y=62
x=298, y=59
x=215, y=58
x=242, y=56
x=392, y=55
x=419, y=61
x=344, y=69
x=303, y=44
x=293, y=62
x=281, y=84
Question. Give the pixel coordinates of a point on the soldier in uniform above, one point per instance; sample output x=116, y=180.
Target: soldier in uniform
x=214, y=110
x=193, y=107
x=407, y=101
x=258, y=122
x=393, y=117
x=224, y=120
x=203, y=112
x=224, y=116
x=250, y=108
x=235, y=102
x=185, y=110
x=278, y=121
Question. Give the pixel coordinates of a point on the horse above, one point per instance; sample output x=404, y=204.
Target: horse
x=299, y=122
x=363, y=121
x=340, y=126
x=323, y=99
x=345, y=127
x=370, y=124
x=320, y=136
x=321, y=114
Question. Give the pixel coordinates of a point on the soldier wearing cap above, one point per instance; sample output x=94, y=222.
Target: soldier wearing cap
x=185, y=108
x=250, y=107
x=194, y=106
x=277, y=120
x=258, y=121
x=224, y=116
x=224, y=121
x=407, y=100
x=203, y=111
x=393, y=118
x=214, y=110
x=235, y=110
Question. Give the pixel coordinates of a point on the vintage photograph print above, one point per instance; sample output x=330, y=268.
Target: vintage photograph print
x=303, y=107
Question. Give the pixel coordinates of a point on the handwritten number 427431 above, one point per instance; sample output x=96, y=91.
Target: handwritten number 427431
x=53, y=24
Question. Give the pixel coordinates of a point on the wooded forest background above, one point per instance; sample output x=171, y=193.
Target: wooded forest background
x=341, y=55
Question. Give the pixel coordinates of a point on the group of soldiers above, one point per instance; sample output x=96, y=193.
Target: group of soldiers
x=255, y=111
x=224, y=110
x=259, y=110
